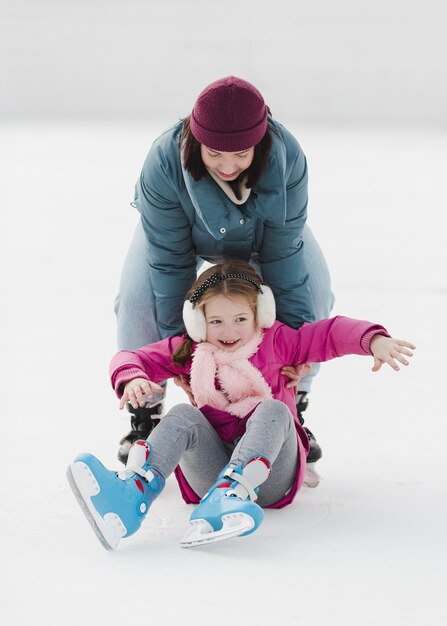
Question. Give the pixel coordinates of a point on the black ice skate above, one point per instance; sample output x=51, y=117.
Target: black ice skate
x=143, y=420
x=311, y=479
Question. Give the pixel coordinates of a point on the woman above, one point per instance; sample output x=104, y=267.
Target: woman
x=228, y=180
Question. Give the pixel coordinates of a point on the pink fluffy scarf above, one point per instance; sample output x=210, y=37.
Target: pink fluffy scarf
x=242, y=386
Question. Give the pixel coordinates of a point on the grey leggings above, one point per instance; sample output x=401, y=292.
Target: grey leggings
x=184, y=436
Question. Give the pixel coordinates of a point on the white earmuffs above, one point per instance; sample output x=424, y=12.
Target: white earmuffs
x=195, y=322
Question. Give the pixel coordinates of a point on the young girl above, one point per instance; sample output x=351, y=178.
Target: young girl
x=242, y=431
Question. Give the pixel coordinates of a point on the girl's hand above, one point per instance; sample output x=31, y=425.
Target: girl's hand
x=135, y=389
x=389, y=350
x=296, y=373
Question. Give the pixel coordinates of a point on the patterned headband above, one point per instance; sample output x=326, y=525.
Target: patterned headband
x=217, y=277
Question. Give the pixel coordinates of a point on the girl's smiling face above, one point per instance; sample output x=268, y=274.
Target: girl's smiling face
x=226, y=165
x=230, y=323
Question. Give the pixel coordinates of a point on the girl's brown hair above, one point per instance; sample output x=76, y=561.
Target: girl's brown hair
x=192, y=159
x=233, y=288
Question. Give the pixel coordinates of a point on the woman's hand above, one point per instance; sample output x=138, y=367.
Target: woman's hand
x=183, y=382
x=135, y=389
x=296, y=373
x=389, y=350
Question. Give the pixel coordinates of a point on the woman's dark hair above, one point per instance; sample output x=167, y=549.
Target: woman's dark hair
x=193, y=163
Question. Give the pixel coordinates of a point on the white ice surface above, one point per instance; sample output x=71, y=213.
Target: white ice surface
x=369, y=545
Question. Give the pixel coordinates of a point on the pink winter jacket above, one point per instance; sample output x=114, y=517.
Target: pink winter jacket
x=280, y=345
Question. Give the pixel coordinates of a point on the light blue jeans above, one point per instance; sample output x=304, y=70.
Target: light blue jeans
x=135, y=302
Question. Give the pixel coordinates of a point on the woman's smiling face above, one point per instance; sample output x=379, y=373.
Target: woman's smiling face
x=227, y=165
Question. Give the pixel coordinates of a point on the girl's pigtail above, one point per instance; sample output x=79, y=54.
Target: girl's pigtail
x=183, y=352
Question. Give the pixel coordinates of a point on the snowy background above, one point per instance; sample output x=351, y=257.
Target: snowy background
x=85, y=88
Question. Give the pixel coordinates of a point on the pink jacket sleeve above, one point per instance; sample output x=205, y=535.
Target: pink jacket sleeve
x=153, y=362
x=325, y=340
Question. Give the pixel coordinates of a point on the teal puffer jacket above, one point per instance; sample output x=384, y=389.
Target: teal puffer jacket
x=184, y=219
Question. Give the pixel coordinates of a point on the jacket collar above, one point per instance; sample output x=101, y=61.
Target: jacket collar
x=227, y=189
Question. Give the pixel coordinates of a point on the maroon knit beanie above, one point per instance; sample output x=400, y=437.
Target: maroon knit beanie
x=229, y=115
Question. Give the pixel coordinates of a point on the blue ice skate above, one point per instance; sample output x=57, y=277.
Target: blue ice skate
x=114, y=503
x=229, y=508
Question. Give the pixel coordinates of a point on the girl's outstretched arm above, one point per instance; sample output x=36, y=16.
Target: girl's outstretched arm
x=334, y=338
x=389, y=350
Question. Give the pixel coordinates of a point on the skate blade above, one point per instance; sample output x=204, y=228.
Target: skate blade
x=202, y=533
x=109, y=529
x=311, y=476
